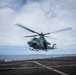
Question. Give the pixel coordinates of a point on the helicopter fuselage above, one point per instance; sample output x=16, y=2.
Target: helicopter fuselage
x=39, y=44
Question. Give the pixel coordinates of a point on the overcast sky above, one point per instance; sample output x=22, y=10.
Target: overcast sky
x=41, y=16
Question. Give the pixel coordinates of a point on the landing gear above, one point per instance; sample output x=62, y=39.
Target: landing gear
x=34, y=49
x=31, y=48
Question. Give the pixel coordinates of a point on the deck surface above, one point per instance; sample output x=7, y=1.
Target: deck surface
x=47, y=66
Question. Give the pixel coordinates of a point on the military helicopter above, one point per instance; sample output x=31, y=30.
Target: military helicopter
x=40, y=43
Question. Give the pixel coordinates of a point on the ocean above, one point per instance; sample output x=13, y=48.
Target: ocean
x=22, y=57
x=31, y=56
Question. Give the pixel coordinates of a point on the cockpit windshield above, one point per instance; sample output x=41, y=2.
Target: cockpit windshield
x=35, y=39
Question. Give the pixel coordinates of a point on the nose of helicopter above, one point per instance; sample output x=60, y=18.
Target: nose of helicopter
x=30, y=43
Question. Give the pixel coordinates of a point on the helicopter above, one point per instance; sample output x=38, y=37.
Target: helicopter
x=40, y=43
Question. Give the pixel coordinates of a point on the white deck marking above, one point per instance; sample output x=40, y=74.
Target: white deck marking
x=60, y=72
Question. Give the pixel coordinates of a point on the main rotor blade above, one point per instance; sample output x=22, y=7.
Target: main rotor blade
x=60, y=30
x=46, y=33
x=50, y=37
x=31, y=36
x=27, y=28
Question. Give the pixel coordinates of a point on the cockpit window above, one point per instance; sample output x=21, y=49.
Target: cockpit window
x=34, y=39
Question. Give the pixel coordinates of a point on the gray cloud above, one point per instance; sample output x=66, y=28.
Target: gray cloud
x=42, y=16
